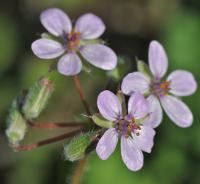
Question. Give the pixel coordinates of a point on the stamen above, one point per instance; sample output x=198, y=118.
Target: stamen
x=160, y=88
x=165, y=85
x=127, y=127
x=73, y=41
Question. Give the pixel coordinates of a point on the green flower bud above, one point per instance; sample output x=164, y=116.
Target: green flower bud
x=16, y=125
x=102, y=122
x=143, y=68
x=76, y=149
x=37, y=98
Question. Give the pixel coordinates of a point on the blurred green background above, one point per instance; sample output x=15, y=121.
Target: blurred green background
x=131, y=25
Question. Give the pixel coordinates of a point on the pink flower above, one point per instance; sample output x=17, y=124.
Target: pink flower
x=162, y=91
x=73, y=41
x=135, y=136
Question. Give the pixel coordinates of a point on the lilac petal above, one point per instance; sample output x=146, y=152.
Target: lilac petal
x=70, y=64
x=131, y=154
x=135, y=81
x=56, y=21
x=144, y=140
x=90, y=26
x=177, y=111
x=138, y=106
x=100, y=56
x=155, y=110
x=109, y=105
x=47, y=49
x=158, y=61
x=182, y=83
x=107, y=144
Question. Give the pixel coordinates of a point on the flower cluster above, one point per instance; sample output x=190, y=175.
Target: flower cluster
x=137, y=135
x=147, y=91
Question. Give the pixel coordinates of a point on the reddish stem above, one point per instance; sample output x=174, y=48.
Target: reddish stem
x=55, y=125
x=81, y=94
x=46, y=141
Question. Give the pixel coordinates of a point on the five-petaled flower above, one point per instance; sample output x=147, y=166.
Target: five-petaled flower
x=164, y=92
x=73, y=41
x=135, y=135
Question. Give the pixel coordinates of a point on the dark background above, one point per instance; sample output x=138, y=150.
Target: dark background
x=131, y=25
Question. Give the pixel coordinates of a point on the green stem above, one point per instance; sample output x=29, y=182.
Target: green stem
x=79, y=170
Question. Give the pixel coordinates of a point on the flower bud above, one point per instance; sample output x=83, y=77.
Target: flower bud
x=77, y=147
x=102, y=122
x=16, y=125
x=37, y=98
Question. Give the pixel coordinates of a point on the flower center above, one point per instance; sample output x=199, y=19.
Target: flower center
x=73, y=41
x=125, y=127
x=160, y=88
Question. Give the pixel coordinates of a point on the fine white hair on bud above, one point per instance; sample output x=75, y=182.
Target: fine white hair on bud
x=37, y=98
x=16, y=125
x=77, y=148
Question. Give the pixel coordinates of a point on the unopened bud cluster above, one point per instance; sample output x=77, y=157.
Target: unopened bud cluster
x=27, y=109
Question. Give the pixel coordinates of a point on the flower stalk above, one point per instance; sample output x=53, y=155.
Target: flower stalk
x=32, y=146
x=79, y=171
x=81, y=94
x=55, y=125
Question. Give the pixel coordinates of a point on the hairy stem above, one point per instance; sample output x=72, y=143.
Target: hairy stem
x=79, y=170
x=55, y=125
x=46, y=141
x=81, y=94
x=78, y=173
